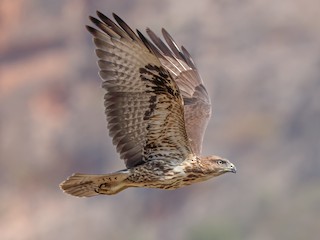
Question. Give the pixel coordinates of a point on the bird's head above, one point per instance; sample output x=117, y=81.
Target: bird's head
x=218, y=165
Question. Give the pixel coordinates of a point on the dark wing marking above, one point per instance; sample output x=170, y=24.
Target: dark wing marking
x=144, y=107
x=197, y=106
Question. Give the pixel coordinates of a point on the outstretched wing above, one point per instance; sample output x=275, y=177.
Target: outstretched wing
x=144, y=106
x=197, y=106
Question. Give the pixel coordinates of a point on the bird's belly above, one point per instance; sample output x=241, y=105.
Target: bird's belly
x=171, y=182
x=158, y=174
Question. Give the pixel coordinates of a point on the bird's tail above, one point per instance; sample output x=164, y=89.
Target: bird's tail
x=85, y=185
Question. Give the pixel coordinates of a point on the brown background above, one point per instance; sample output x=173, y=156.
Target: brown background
x=260, y=61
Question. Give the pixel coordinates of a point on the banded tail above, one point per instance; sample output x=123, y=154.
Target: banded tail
x=85, y=185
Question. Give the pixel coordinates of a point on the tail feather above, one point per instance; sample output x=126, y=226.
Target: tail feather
x=85, y=185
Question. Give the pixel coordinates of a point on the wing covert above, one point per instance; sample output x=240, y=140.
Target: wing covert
x=197, y=105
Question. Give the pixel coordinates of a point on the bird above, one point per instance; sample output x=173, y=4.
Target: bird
x=157, y=110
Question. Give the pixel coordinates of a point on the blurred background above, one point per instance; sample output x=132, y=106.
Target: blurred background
x=260, y=61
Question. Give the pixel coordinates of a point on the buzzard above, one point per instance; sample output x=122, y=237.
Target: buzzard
x=157, y=111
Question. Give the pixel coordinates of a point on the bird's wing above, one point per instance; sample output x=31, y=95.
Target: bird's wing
x=197, y=106
x=143, y=104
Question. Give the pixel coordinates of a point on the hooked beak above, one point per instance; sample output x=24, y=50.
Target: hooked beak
x=232, y=168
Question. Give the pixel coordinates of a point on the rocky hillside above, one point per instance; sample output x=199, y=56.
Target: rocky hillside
x=260, y=61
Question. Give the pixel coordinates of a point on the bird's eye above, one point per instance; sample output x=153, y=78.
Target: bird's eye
x=220, y=162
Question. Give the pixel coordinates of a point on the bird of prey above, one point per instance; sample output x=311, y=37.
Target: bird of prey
x=157, y=111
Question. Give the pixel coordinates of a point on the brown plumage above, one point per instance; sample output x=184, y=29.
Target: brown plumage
x=157, y=111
